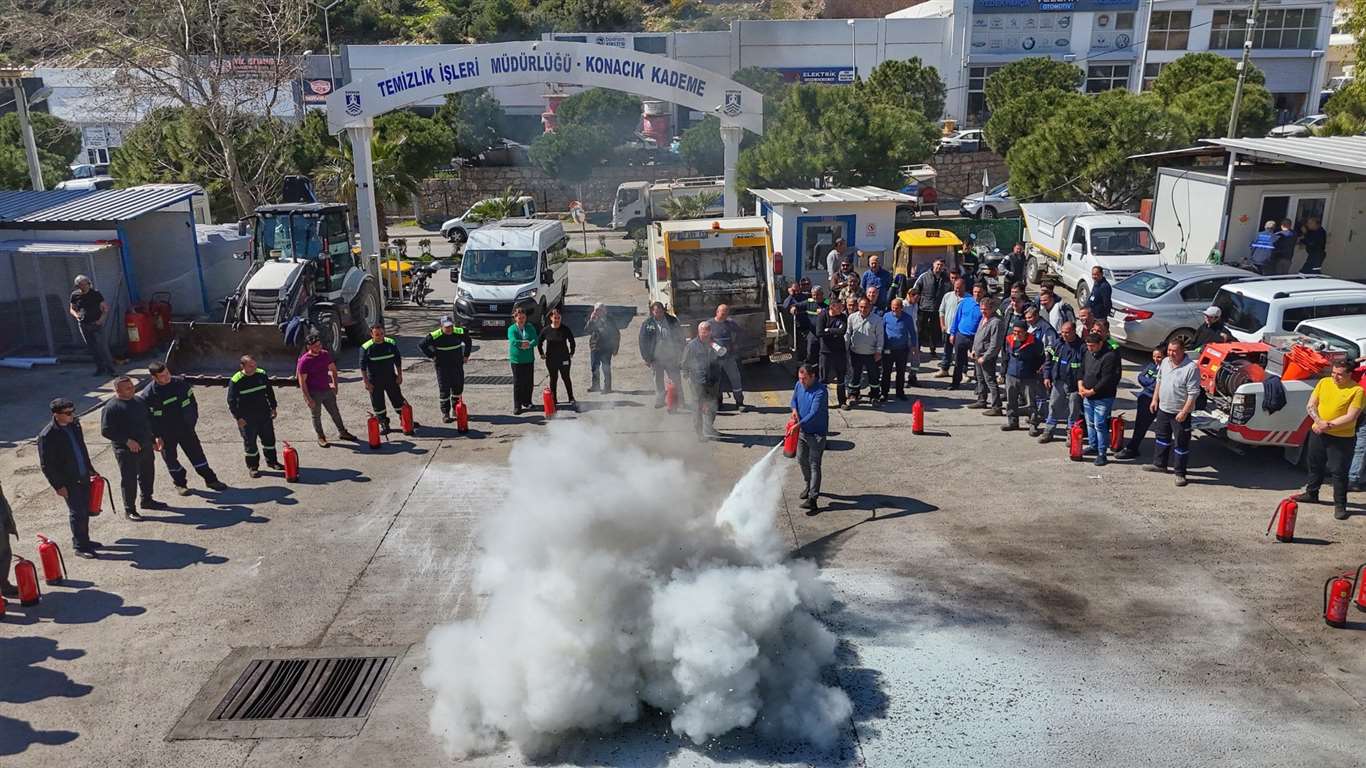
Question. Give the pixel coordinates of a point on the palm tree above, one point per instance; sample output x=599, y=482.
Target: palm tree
x=392, y=183
x=690, y=206
x=505, y=207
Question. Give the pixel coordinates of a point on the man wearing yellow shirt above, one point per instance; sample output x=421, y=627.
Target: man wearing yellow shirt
x=1334, y=408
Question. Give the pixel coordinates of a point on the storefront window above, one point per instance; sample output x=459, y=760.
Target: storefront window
x=1104, y=77
x=977, y=96
x=1282, y=28
x=1150, y=73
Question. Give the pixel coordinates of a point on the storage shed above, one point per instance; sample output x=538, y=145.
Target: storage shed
x=807, y=222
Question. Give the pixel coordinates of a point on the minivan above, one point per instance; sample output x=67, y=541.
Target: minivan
x=1257, y=306
x=510, y=264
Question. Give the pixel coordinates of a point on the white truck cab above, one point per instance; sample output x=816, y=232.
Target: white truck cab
x=639, y=202
x=1067, y=240
x=512, y=264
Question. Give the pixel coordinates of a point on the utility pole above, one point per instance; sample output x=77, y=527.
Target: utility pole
x=15, y=79
x=1242, y=70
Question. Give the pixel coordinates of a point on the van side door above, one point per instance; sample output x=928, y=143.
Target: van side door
x=557, y=262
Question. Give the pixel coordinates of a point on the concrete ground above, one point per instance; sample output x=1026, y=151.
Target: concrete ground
x=998, y=604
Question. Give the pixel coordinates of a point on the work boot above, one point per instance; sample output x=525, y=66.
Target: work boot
x=1182, y=482
x=804, y=494
x=810, y=503
x=87, y=554
x=446, y=418
x=1101, y=461
x=150, y=503
x=942, y=373
x=1126, y=454
x=1340, y=512
x=1153, y=468
x=132, y=514
x=217, y=485
x=348, y=436
x=275, y=465
x=1047, y=436
x=1010, y=426
x=1035, y=430
x=1308, y=497
x=993, y=412
x=978, y=405
x=183, y=490
x=253, y=473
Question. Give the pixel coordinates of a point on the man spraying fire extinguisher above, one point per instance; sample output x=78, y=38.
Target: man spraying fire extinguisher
x=251, y=401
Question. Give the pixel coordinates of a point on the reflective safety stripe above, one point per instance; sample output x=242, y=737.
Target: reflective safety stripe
x=268, y=446
x=200, y=465
x=169, y=400
x=253, y=389
x=377, y=358
x=187, y=401
x=251, y=452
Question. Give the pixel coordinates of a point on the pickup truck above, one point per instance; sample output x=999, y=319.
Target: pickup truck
x=1065, y=240
x=1238, y=414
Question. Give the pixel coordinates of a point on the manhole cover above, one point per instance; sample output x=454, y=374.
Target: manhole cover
x=288, y=692
x=501, y=381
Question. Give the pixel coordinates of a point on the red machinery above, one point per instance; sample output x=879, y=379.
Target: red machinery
x=1285, y=513
x=54, y=567
x=1227, y=366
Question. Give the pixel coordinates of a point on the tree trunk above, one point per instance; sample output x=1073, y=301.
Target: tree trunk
x=240, y=194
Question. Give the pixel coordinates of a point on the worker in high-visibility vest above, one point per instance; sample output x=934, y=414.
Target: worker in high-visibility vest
x=449, y=348
x=251, y=401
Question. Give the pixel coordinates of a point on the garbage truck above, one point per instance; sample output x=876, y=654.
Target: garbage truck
x=698, y=264
x=302, y=275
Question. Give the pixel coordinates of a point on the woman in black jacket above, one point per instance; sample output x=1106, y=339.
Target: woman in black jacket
x=557, y=349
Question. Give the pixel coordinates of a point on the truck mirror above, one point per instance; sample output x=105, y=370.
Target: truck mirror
x=242, y=230
x=1161, y=246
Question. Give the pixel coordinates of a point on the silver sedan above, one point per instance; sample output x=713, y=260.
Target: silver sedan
x=1155, y=306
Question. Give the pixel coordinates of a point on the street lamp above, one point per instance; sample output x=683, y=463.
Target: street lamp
x=853, y=47
x=14, y=78
x=327, y=38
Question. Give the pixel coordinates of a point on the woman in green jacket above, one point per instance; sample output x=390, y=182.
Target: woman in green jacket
x=522, y=339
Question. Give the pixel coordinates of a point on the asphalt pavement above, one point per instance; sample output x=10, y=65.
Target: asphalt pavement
x=997, y=604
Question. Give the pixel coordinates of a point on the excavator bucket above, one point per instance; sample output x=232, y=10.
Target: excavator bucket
x=210, y=353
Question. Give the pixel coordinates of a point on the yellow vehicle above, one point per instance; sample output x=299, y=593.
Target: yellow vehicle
x=916, y=250
x=396, y=273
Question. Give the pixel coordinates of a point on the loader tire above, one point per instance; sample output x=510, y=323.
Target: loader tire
x=330, y=329
x=365, y=310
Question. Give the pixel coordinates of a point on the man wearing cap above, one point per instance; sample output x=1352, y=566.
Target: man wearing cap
x=91, y=312
x=449, y=348
x=1212, y=332
x=251, y=401
x=65, y=462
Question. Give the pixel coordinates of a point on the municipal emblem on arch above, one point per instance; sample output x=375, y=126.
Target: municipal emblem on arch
x=352, y=103
x=732, y=105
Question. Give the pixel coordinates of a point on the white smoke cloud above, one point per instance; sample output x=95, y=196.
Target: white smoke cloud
x=614, y=583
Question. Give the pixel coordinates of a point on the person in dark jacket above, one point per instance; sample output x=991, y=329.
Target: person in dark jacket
x=808, y=316
x=556, y=347
x=1212, y=331
x=7, y=529
x=929, y=290
x=1315, y=240
x=65, y=462
x=877, y=277
x=1262, y=251
x=899, y=347
x=1099, y=300
x=1061, y=375
x=381, y=367
x=175, y=413
x=1283, y=248
x=1143, y=417
x=1024, y=388
x=91, y=313
x=831, y=327
x=792, y=315
x=449, y=348
x=604, y=339
x=661, y=347
x=725, y=333
x=1099, y=385
x=702, y=374
x=126, y=423
x=251, y=401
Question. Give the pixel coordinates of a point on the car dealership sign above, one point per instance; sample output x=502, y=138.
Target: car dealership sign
x=468, y=67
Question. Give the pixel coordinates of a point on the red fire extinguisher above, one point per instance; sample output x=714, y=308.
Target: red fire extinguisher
x=790, y=437
x=1337, y=593
x=1361, y=588
x=1117, y=432
x=97, y=486
x=1075, y=436
x=26, y=578
x=917, y=418
x=291, y=457
x=670, y=395
x=405, y=418
x=54, y=567
x=548, y=402
x=462, y=416
x=372, y=430
x=1285, y=514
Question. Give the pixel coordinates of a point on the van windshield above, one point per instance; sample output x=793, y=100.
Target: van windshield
x=498, y=267
x=1122, y=240
x=1241, y=313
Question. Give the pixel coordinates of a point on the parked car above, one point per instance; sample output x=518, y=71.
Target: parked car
x=996, y=203
x=1253, y=308
x=1156, y=306
x=1303, y=127
x=969, y=140
x=458, y=229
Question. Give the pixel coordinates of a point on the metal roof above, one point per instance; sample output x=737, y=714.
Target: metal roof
x=1337, y=153
x=836, y=195
x=52, y=247
x=735, y=223
x=82, y=206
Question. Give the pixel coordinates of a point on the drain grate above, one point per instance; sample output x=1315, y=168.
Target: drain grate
x=294, y=689
x=502, y=381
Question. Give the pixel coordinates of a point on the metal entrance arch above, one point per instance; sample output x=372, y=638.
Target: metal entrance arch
x=353, y=107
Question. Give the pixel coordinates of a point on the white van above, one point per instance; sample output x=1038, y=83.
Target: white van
x=509, y=264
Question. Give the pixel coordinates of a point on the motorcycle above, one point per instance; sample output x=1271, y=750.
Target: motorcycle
x=418, y=289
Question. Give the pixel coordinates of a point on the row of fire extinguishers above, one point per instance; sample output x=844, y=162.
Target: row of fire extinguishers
x=1076, y=437
x=1337, y=590
x=374, y=435
x=26, y=573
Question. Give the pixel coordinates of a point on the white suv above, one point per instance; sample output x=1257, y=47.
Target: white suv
x=1273, y=304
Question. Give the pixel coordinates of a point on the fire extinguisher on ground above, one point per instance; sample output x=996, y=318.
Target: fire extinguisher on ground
x=372, y=432
x=1284, y=520
x=462, y=416
x=291, y=457
x=405, y=418
x=917, y=418
x=26, y=578
x=1075, y=436
x=1117, y=432
x=54, y=567
x=670, y=395
x=548, y=402
x=1337, y=593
